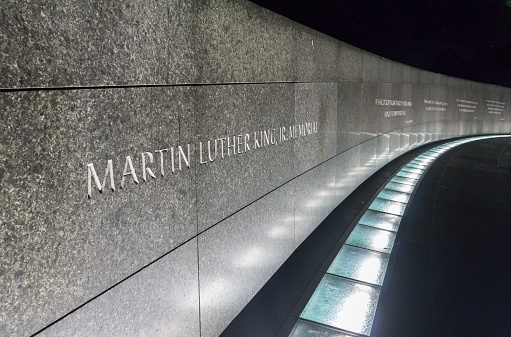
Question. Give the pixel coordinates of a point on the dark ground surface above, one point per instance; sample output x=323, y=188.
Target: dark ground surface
x=449, y=273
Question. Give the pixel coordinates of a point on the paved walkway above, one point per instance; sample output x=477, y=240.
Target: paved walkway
x=448, y=271
x=451, y=274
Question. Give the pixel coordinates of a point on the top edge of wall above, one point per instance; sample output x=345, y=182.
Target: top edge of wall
x=88, y=44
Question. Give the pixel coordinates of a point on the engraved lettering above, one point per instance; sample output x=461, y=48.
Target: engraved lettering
x=247, y=138
x=237, y=144
x=256, y=142
x=200, y=154
x=172, y=159
x=222, y=146
x=233, y=145
x=239, y=141
x=131, y=172
x=266, y=139
x=91, y=174
x=209, y=151
x=379, y=101
x=147, y=169
x=161, y=160
x=283, y=134
x=394, y=113
x=182, y=155
x=301, y=129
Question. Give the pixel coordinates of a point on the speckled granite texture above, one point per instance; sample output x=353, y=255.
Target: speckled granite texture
x=60, y=248
x=238, y=41
x=144, y=303
x=86, y=82
x=227, y=185
x=316, y=102
x=92, y=43
x=255, y=240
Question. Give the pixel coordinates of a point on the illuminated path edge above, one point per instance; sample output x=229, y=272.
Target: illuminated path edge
x=345, y=301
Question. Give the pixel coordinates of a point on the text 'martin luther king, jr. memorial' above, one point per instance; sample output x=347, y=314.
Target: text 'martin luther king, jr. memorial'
x=160, y=160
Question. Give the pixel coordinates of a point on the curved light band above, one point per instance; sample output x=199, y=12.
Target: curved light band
x=345, y=301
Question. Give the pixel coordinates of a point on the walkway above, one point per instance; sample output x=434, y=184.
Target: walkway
x=448, y=261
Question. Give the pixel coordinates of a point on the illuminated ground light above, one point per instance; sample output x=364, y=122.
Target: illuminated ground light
x=345, y=301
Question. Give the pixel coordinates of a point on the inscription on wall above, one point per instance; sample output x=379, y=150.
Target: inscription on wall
x=172, y=160
x=466, y=106
x=223, y=147
x=495, y=107
x=432, y=105
x=392, y=102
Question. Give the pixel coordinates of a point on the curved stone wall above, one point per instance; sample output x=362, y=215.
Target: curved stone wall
x=220, y=135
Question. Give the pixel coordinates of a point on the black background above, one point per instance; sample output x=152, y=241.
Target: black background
x=469, y=39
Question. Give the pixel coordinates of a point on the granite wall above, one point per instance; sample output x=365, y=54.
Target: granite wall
x=160, y=160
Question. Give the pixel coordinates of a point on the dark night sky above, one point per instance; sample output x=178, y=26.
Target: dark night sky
x=469, y=39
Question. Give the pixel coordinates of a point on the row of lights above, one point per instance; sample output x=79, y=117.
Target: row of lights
x=345, y=301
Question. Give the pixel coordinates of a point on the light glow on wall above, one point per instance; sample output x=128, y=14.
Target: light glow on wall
x=345, y=301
